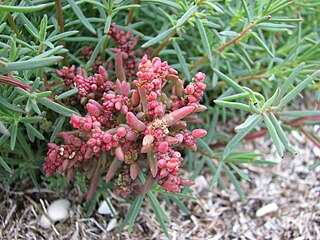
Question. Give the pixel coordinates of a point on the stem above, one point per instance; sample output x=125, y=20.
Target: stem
x=223, y=46
x=310, y=137
x=13, y=25
x=61, y=29
x=162, y=45
x=14, y=82
x=131, y=11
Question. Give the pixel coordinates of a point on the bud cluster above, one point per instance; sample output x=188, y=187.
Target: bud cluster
x=130, y=125
x=126, y=47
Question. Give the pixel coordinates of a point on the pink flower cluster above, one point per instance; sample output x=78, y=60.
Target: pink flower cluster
x=87, y=53
x=89, y=87
x=126, y=48
x=130, y=124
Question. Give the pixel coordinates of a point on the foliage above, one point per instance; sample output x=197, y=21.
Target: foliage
x=258, y=56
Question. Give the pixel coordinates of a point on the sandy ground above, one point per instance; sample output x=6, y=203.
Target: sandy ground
x=289, y=186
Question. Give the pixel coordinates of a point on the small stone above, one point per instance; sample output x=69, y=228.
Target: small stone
x=201, y=183
x=59, y=210
x=104, y=208
x=111, y=224
x=272, y=207
x=316, y=151
x=45, y=222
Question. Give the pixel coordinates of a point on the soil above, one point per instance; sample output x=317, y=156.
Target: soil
x=217, y=214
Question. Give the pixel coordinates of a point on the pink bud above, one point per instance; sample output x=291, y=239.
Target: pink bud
x=87, y=127
x=119, y=153
x=75, y=120
x=171, y=140
x=93, y=110
x=200, y=108
x=118, y=105
x=178, y=114
x=179, y=136
x=103, y=73
x=200, y=77
x=162, y=163
x=59, y=73
x=129, y=34
x=163, y=147
x=135, y=123
x=125, y=88
x=107, y=138
x=199, y=133
x=171, y=187
x=131, y=136
x=186, y=182
x=121, y=131
x=124, y=109
x=189, y=89
x=120, y=73
x=135, y=99
x=134, y=41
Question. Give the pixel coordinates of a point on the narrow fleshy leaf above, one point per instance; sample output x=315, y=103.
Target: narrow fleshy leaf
x=96, y=51
x=182, y=60
x=67, y=94
x=30, y=64
x=158, y=38
x=204, y=39
x=282, y=135
x=229, y=81
x=5, y=165
x=81, y=17
x=56, y=107
x=235, y=105
x=234, y=181
x=186, y=16
x=27, y=9
x=240, y=135
x=262, y=44
x=294, y=92
x=273, y=133
x=216, y=176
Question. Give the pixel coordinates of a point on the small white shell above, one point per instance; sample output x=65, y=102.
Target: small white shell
x=59, y=210
x=104, y=208
x=111, y=224
x=45, y=222
x=271, y=207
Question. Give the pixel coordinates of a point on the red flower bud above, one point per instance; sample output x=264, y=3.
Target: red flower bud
x=93, y=110
x=199, y=133
x=119, y=153
x=135, y=123
x=178, y=114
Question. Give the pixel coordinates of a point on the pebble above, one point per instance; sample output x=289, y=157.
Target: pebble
x=104, y=208
x=57, y=210
x=111, y=224
x=316, y=151
x=201, y=183
x=271, y=207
